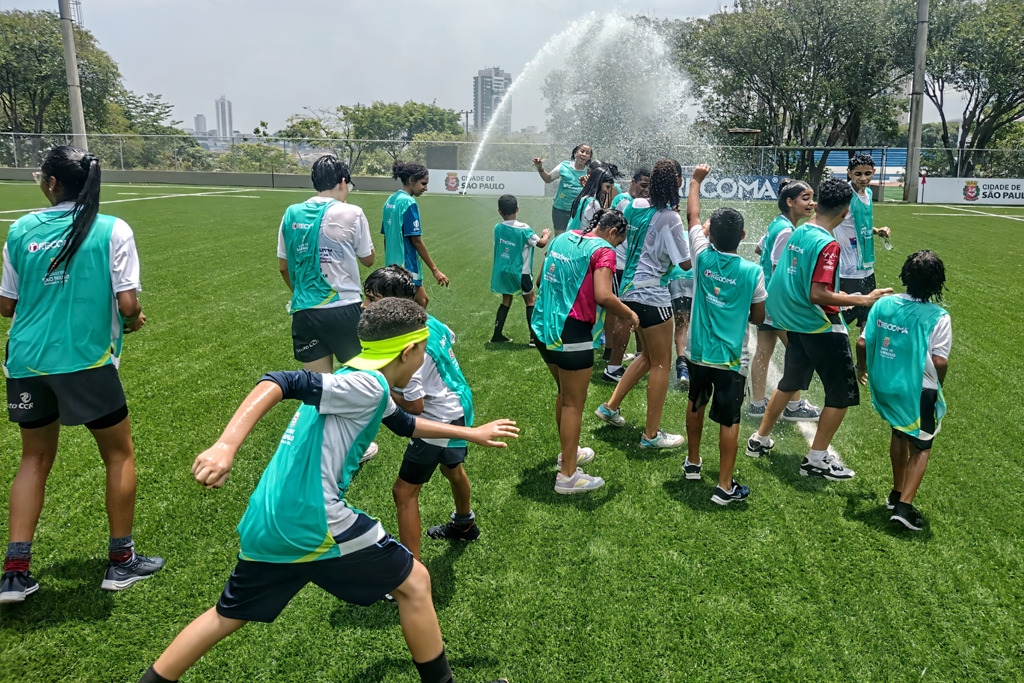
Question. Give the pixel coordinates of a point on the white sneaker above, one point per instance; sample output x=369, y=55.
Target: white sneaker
x=662, y=440
x=583, y=456
x=612, y=417
x=370, y=452
x=577, y=483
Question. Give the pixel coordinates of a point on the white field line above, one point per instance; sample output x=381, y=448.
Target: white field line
x=217, y=193
x=981, y=213
x=958, y=215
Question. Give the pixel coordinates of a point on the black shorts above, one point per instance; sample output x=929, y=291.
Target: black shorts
x=765, y=327
x=578, y=342
x=929, y=397
x=617, y=282
x=258, y=591
x=725, y=389
x=857, y=315
x=650, y=316
x=526, y=283
x=828, y=354
x=682, y=304
x=321, y=332
x=422, y=458
x=90, y=397
x=560, y=219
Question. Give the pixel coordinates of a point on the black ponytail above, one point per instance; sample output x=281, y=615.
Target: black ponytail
x=78, y=172
x=407, y=170
x=607, y=219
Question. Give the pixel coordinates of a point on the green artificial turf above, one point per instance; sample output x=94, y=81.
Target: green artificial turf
x=645, y=579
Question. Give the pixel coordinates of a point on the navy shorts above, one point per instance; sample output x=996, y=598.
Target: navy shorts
x=723, y=388
x=258, y=591
x=578, y=340
x=422, y=458
x=827, y=354
x=91, y=397
x=321, y=332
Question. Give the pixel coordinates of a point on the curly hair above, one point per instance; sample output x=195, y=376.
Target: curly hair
x=389, y=318
x=607, y=219
x=407, y=170
x=861, y=159
x=924, y=276
x=665, y=183
x=833, y=195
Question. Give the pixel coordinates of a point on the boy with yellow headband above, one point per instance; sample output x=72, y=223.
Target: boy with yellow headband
x=298, y=528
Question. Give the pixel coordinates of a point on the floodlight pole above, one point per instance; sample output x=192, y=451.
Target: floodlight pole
x=913, y=173
x=67, y=30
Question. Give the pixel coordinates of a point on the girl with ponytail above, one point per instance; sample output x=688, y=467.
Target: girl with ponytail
x=71, y=274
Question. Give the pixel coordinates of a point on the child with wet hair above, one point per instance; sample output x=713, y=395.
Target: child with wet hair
x=902, y=357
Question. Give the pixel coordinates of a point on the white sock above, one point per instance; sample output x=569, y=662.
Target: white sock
x=612, y=368
x=793, y=405
x=816, y=456
x=763, y=402
x=763, y=439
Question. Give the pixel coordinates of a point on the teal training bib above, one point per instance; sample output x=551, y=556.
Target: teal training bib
x=565, y=268
x=723, y=289
x=774, y=228
x=392, y=227
x=507, y=270
x=639, y=220
x=439, y=347
x=864, y=227
x=789, y=293
x=301, y=231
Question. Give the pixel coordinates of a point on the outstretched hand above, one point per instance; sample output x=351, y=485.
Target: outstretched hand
x=212, y=467
x=486, y=435
x=537, y=161
x=878, y=294
x=700, y=172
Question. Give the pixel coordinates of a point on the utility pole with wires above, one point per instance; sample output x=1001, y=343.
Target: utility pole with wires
x=912, y=176
x=67, y=30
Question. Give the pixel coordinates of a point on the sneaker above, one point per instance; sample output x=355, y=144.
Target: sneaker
x=691, y=471
x=830, y=467
x=682, y=374
x=500, y=339
x=612, y=417
x=907, y=515
x=723, y=497
x=583, y=456
x=805, y=412
x=120, y=576
x=892, y=500
x=455, y=532
x=662, y=440
x=531, y=345
x=16, y=586
x=613, y=376
x=754, y=410
x=755, y=449
x=577, y=483
x=370, y=452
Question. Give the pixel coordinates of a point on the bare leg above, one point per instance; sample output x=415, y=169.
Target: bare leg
x=916, y=465
x=574, y=384
x=694, y=427
x=618, y=338
x=762, y=358
x=207, y=630
x=659, y=339
x=553, y=369
x=728, y=442
x=407, y=506
x=776, y=404
x=456, y=476
x=634, y=372
x=828, y=423
x=682, y=323
x=506, y=300
x=421, y=296
x=38, y=451
x=416, y=613
x=115, y=444
x=323, y=366
x=898, y=455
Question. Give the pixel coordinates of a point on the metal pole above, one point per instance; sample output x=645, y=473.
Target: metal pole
x=67, y=30
x=14, y=146
x=913, y=170
x=120, y=149
x=881, y=180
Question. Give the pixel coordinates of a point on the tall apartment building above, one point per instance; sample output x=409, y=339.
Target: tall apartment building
x=200, y=124
x=489, y=86
x=225, y=124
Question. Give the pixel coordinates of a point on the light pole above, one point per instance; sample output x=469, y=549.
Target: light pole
x=912, y=178
x=67, y=30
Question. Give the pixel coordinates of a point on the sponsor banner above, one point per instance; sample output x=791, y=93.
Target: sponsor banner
x=1005, y=191
x=448, y=181
x=739, y=187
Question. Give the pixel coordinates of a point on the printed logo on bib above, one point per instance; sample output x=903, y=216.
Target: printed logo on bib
x=33, y=247
x=719, y=278
x=892, y=328
x=301, y=226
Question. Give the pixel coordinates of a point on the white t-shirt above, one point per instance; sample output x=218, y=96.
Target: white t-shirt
x=846, y=234
x=345, y=237
x=124, y=259
x=620, y=251
x=531, y=241
x=440, y=403
x=664, y=246
x=939, y=344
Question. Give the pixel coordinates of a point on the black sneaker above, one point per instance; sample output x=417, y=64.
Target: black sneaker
x=755, y=449
x=16, y=586
x=691, y=471
x=907, y=515
x=455, y=532
x=120, y=576
x=722, y=497
x=613, y=376
x=892, y=500
x=500, y=339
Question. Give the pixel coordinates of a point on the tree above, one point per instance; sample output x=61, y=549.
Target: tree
x=796, y=70
x=976, y=49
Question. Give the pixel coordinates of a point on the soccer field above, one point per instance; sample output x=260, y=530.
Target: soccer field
x=643, y=580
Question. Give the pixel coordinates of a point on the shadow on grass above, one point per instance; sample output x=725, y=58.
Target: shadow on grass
x=509, y=346
x=870, y=511
x=68, y=591
x=387, y=668
x=786, y=468
x=443, y=579
x=537, y=483
x=697, y=496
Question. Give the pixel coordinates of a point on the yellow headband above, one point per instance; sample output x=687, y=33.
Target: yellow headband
x=377, y=354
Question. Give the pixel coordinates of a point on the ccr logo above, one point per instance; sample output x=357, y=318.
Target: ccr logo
x=26, y=402
x=26, y=397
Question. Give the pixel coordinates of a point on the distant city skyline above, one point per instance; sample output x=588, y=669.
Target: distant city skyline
x=489, y=88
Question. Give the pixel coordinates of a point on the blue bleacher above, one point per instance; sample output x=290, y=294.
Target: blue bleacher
x=894, y=156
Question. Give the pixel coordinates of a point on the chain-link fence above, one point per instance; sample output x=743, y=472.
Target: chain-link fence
x=254, y=154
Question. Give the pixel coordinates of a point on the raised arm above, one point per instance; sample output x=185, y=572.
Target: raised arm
x=538, y=163
x=693, y=196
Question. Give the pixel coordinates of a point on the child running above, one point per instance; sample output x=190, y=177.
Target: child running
x=728, y=292
x=803, y=300
x=796, y=202
x=856, y=237
x=656, y=242
x=403, y=234
x=576, y=279
x=438, y=391
x=299, y=528
x=512, y=271
x=903, y=349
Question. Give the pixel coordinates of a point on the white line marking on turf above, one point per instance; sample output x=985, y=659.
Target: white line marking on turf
x=979, y=213
x=217, y=193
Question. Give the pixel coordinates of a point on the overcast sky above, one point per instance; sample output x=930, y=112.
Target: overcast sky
x=273, y=58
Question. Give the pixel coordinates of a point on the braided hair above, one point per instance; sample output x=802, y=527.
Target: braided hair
x=606, y=219
x=665, y=183
x=78, y=172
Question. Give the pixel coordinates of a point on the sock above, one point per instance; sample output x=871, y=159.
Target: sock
x=762, y=403
x=463, y=520
x=613, y=368
x=499, y=320
x=529, y=320
x=763, y=439
x=436, y=670
x=19, y=555
x=793, y=405
x=151, y=676
x=816, y=456
x=122, y=549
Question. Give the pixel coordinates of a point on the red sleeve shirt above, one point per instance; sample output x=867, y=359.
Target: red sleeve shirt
x=825, y=271
x=585, y=308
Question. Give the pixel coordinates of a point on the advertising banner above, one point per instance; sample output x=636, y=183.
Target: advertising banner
x=519, y=183
x=1004, y=191
x=738, y=187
